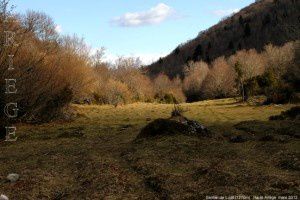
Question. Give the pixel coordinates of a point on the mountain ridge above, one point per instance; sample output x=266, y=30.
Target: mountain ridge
x=253, y=27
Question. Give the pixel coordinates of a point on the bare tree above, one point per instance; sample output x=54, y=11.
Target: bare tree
x=220, y=80
x=247, y=64
x=195, y=73
x=279, y=59
x=166, y=88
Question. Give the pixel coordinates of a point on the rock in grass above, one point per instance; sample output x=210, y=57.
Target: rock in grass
x=13, y=178
x=172, y=126
x=3, y=197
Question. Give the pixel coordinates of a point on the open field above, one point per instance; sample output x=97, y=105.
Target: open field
x=96, y=156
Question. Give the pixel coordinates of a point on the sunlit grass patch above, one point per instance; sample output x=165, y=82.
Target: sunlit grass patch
x=97, y=155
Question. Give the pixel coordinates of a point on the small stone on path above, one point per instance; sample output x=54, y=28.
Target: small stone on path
x=13, y=177
x=3, y=197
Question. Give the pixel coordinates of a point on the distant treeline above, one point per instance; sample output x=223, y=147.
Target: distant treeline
x=274, y=72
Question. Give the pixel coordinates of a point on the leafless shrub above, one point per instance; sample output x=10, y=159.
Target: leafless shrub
x=168, y=91
x=50, y=71
x=220, y=81
x=195, y=74
x=279, y=59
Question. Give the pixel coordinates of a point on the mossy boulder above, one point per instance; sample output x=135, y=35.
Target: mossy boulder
x=173, y=126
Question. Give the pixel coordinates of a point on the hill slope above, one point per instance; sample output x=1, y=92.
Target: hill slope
x=261, y=23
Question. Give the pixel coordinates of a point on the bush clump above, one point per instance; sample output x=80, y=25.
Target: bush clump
x=292, y=114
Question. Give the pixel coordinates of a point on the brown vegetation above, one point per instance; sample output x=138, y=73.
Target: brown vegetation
x=53, y=70
x=220, y=81
x=49, y=70
x=195, y=74
x=169, y=91
x=274, y=72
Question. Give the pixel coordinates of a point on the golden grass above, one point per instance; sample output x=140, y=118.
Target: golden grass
x=94, y=156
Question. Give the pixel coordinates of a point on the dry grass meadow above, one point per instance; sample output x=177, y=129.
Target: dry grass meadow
x=96, y=156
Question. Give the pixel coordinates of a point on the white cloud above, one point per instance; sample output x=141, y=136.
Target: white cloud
x=223, y=13
x=155, y=15
x=58, y=28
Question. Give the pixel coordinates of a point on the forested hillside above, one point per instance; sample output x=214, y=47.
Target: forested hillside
x=261, y=23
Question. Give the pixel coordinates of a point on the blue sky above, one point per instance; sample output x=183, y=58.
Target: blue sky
x=148, y=29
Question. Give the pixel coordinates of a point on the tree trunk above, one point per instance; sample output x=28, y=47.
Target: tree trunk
x=243, y=92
